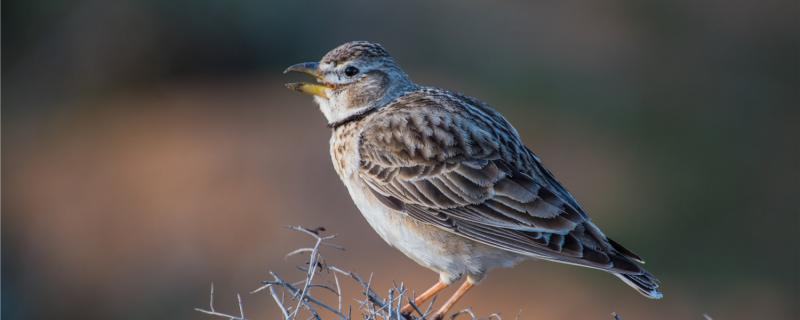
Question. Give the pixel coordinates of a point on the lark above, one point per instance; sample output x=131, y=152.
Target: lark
x=446, y=179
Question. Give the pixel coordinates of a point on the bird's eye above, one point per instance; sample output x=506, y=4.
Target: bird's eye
x=351, y=71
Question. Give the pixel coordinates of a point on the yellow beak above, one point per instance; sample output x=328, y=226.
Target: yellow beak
x=312, y=69
x=309, y=88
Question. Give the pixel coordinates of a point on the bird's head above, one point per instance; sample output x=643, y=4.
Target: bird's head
x=353, y=78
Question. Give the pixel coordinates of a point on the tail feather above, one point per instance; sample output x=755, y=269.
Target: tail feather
x=641, y=280
x=645, y=283
x=625, y=252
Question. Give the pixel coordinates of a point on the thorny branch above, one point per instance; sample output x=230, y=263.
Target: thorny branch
x=214, y=312
x=372, y=307
x=297, y=300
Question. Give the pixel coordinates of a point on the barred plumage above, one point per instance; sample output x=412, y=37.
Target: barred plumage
x=447, y=180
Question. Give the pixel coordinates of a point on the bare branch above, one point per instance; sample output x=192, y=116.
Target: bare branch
x=241, y=307
x=294, y=291
x=430, y=307
x=373, y=307
x=213, y=311
x=466, y=311
x=372, y=296
x=495, y=316
x=301, y=250
x=279, y=302
x=414, y=306
x=338, y=291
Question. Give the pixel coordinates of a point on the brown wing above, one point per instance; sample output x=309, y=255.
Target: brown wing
x=451, y=162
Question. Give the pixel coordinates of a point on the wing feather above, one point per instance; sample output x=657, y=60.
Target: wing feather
x=426, y=158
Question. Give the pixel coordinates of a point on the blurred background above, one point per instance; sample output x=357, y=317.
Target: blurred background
x=149, y=148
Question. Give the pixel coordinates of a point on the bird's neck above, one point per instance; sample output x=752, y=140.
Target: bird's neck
x=352, y=118
x=339, y=112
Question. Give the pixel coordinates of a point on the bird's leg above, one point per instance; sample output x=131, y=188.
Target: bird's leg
x=425, y=296
x=452, y=301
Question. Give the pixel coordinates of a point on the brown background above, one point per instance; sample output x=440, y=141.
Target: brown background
x=149, y=148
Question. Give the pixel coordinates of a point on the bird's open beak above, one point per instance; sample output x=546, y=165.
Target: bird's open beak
x=312, y=69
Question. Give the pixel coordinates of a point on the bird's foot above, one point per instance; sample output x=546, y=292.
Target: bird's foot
x=437, y=316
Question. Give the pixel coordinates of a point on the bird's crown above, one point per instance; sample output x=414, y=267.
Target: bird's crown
x=355, y=49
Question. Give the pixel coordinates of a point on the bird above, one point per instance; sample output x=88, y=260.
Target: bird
x=446, y=179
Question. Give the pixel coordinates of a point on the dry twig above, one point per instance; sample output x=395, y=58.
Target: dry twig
x=373, y=307
x=214, y=312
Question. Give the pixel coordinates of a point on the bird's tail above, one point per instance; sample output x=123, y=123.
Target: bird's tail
x=641, y=280
x=645, y=283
